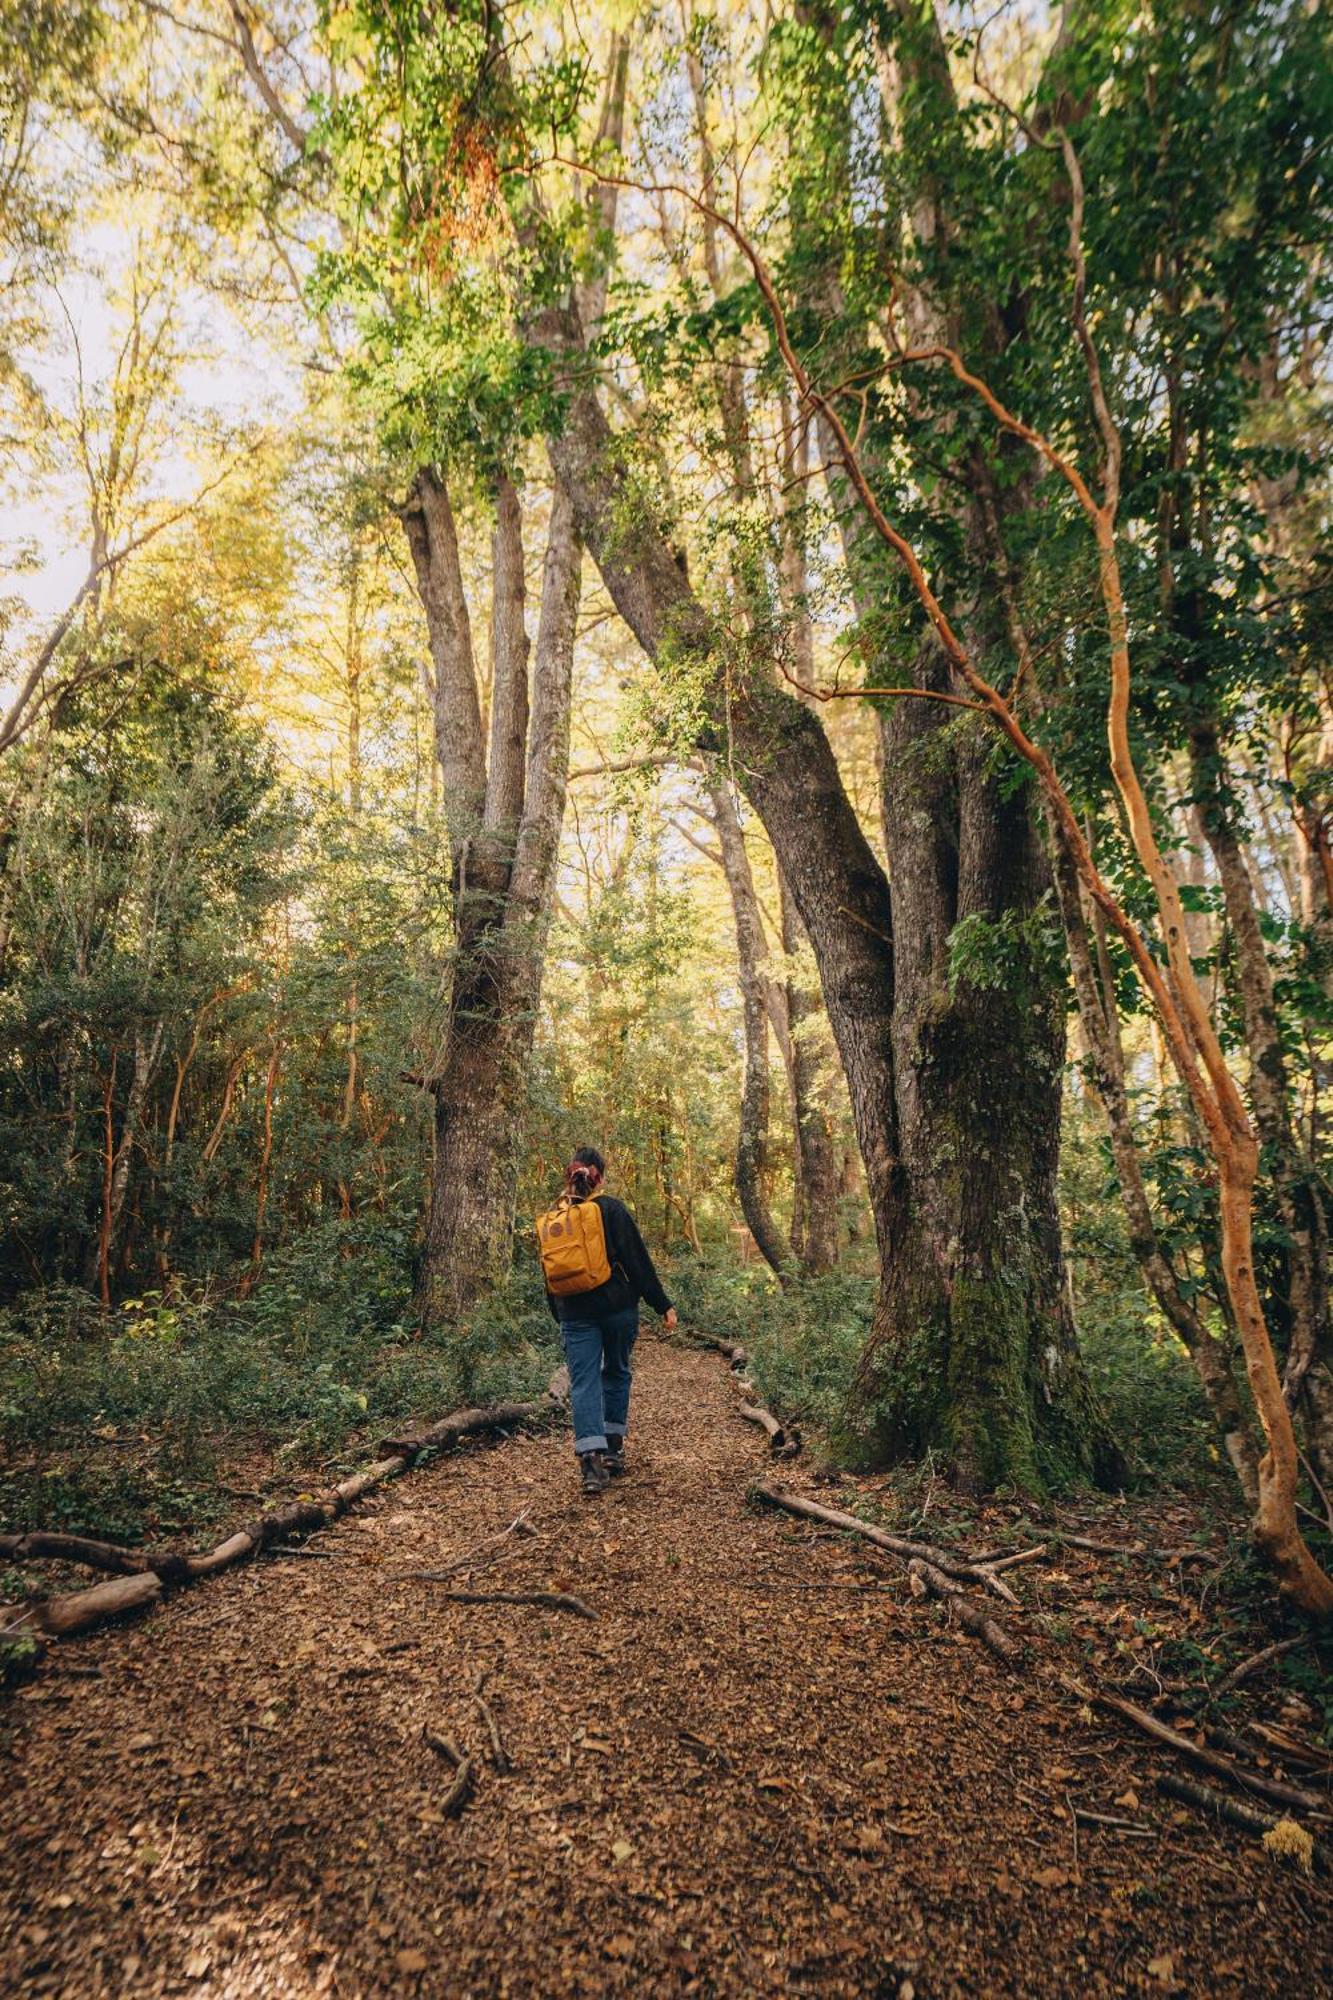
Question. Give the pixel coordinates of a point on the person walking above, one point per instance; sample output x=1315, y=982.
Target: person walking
x=597, y=1269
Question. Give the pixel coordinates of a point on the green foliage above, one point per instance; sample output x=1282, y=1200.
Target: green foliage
x=803, y=1341
x=1018, y=952
x=120, y=1423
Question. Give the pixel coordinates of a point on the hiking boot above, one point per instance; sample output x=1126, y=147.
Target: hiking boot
x=593, y=1470
x=614, y=1458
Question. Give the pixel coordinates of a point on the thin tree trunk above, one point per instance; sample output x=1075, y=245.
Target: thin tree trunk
x=1101, y=1027
x=1296, y=1179
x=751, y=952
x=815, y=1165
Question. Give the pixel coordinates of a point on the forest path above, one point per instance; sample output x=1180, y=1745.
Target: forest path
x=750, y=1776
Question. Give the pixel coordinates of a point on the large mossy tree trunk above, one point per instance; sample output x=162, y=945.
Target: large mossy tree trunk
x=973, y=1354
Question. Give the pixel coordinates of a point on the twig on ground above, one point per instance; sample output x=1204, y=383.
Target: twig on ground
x=1086, y=1817
x=1242, y=1777
x=460, y=1791
x=499, y=1755
x=1253, y=1664
x=520, y=1525
x=550, y=1600
x=999, y=1562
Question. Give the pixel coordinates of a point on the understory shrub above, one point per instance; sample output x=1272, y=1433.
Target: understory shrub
x=112, y=1422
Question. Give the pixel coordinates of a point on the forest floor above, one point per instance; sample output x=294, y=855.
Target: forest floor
x=764, y=1769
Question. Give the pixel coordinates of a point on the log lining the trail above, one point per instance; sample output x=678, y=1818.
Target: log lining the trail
x=142, y=1574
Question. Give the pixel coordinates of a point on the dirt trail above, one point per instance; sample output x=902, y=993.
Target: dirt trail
x=751, y=1776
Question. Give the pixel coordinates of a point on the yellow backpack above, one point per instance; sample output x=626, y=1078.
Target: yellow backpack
x=571, y=1238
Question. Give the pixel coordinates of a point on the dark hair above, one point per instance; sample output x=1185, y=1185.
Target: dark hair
x=584, y=1171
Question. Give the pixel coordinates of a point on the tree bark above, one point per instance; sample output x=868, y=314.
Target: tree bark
x=1308, y=1372
x=1101, y=1027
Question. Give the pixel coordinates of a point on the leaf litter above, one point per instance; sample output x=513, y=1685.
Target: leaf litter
x=715, y=1789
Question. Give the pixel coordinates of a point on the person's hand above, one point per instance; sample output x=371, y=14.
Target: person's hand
x=670, y=1321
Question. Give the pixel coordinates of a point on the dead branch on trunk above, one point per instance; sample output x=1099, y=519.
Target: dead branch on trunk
x=1241, y=1776
x=897, y=1545
x=460, y=1791
x=550, y=1600
x=927, y=1581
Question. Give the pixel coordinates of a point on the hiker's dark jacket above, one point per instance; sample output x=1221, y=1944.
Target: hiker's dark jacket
x=632, y=1274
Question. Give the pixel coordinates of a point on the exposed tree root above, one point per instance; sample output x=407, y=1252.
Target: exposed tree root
x=897, y=1545
x=933, y=1573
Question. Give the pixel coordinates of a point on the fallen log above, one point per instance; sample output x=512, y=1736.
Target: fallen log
x=897, y=1545
x=550, y=1600
x=486, y=1417
x=41, y=1546
x=733, y=1351
x=928, y=1581
x=1241, y=1776
x=60, y=1617
x=779, y=1443
x=1218, y=1806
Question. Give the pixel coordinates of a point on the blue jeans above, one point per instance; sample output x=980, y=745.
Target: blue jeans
x=597, y=1352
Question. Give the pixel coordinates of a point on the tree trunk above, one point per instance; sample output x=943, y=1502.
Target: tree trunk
x=973, y=1353
x=502, y=905
x=751, y=951
x=1101, y=1024
x=815, y=1202
x=1301, y=1206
